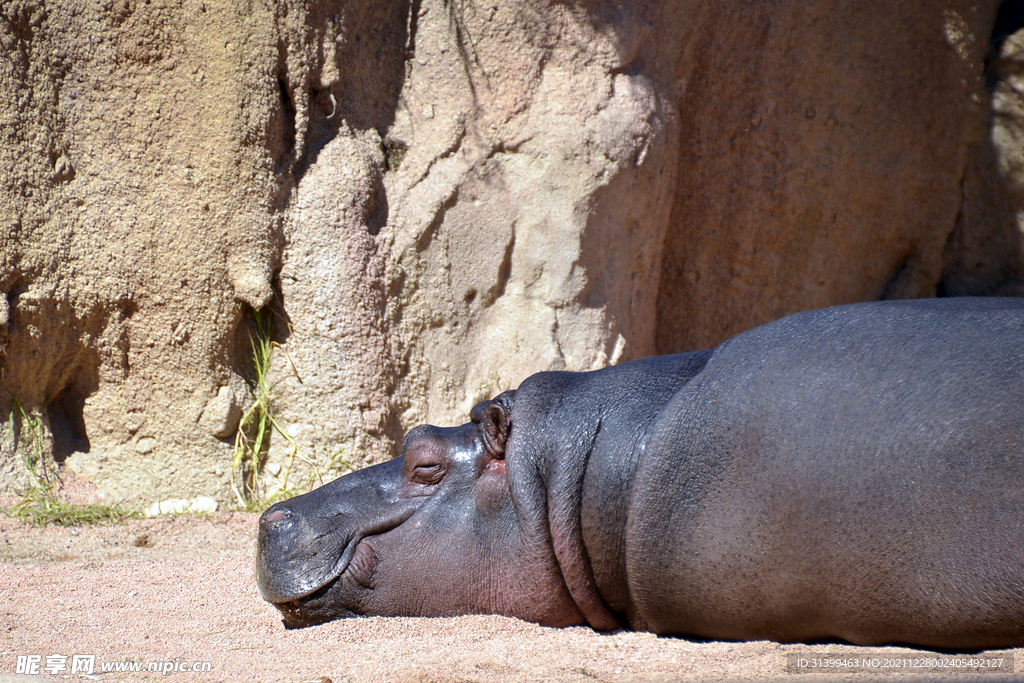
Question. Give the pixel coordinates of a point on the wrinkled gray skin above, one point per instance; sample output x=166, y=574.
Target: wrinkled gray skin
x=854, y=473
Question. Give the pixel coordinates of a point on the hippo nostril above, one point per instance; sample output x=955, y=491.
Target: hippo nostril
x=276, y=515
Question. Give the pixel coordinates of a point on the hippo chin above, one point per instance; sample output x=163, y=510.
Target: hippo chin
x=853, y=473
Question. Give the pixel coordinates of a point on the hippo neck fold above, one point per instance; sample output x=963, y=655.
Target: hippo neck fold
x=574, y=452
x=546, y=492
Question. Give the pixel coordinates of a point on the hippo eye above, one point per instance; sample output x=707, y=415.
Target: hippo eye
x=427, y=474
x=425, y=460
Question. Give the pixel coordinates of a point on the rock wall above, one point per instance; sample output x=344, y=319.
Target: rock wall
x=826, y=159
x=430, y=200
x=140, y=206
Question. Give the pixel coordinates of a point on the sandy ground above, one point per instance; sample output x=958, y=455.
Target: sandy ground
x=181, y=590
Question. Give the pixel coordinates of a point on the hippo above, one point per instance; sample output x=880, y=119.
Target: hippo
x=854, y=473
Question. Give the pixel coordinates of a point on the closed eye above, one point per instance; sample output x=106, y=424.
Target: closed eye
x=427, y=474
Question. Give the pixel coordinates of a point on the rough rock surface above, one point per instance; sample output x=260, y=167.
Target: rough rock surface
x=139, y=206
x=433, y=199
x=826, y=159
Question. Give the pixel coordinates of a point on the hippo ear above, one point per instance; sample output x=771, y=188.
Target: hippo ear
x=495, y=418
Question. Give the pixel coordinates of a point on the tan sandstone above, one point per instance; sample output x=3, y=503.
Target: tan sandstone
x=431, y=200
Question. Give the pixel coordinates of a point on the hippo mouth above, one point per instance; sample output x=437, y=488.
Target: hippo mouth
x=294, y=567
x=317, y=579
x=312, y=609
x=336, y=598
x=315, y=544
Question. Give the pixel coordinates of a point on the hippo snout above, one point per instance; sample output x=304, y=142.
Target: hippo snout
x=284, y=569
x=278, y=531
x=305, y=543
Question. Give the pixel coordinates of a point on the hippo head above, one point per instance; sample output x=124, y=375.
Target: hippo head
x=431, y=533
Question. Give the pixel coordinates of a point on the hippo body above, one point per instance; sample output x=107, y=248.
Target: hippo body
x=852, y=473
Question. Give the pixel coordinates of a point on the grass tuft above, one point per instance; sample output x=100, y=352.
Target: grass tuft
x=41, y=506
x=40, y=503
x=255, y=428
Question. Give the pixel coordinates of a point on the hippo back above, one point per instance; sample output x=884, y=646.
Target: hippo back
x=854, y=473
